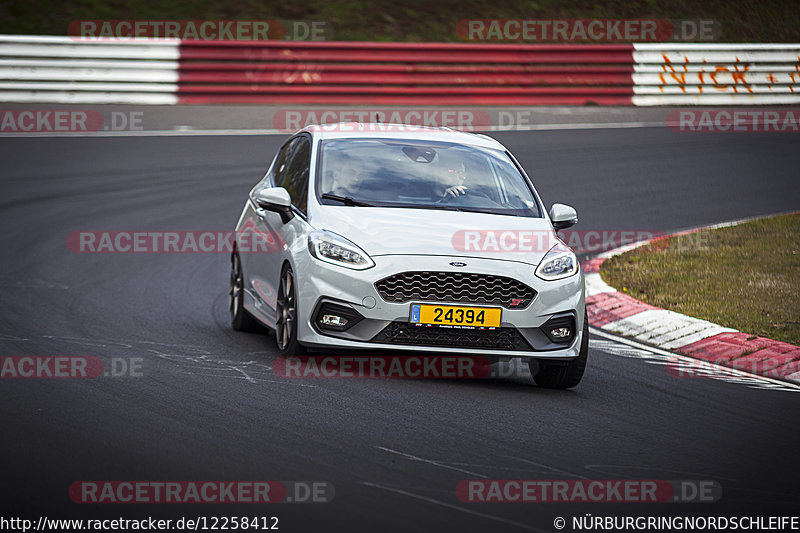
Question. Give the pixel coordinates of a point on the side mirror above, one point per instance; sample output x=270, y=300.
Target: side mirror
x=563, y=216
x=275, y=199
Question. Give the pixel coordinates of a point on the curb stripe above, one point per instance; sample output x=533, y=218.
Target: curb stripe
x=611, y=307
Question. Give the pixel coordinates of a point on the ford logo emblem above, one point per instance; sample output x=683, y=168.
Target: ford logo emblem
x=458, y=264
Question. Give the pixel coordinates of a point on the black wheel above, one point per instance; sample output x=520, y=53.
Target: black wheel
x=564, y=376
x=286, y=315
x=240, y=318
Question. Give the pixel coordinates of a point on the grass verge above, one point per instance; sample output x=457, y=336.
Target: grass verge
x=745, y=277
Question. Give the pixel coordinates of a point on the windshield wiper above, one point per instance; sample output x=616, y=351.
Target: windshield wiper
x=346, y=200
x=478, y=210
x=448, y=207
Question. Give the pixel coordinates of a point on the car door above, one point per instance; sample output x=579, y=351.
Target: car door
x=272, y=237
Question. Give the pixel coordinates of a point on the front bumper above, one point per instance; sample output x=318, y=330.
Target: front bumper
x=319, y=282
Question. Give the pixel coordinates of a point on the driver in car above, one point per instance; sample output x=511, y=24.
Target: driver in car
x=347, y=180
x=454, y=183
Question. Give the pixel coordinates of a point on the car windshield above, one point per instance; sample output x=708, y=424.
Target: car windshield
x=422, y=174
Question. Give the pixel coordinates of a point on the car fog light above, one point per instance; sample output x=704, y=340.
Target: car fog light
x=331, y=316
x=333, y=320
x=560, y=329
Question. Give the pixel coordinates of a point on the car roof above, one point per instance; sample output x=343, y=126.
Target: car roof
x=373, y=130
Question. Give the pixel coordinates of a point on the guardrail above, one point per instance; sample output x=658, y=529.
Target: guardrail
x=64, y=70
x=142, y=71
x=716, y=74
x=404, y=73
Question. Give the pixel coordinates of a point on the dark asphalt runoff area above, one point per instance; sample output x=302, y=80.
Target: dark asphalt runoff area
x=208, y=406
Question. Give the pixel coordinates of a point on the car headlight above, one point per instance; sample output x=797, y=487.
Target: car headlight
x=559, y=263
x=336, y=250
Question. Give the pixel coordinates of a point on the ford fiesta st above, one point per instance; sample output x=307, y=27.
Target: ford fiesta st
x=377, y=236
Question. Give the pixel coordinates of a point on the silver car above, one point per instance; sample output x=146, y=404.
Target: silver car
x=395, y=237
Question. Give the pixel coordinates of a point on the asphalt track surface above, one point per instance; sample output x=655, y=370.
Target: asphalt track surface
x=209, y=407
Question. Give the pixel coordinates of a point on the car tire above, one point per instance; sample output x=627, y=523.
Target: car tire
x=286, y=315
x=564, y=376
x=241, y=320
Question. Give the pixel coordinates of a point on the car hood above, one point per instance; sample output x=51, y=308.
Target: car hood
x=401, y=231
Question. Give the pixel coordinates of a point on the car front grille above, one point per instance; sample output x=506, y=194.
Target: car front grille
x=486, y=339
x=457, y=287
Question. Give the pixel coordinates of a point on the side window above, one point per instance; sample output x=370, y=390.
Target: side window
x=294, y=177
x=281, y=162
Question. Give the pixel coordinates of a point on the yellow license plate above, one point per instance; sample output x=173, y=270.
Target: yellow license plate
x=455, y=315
